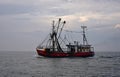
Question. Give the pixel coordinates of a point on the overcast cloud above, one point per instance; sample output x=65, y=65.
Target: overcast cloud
x=24, y=23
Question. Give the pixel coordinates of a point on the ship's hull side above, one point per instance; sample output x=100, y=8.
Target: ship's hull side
x=42, y=52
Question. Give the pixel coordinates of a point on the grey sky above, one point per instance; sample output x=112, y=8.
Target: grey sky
x=23, y=24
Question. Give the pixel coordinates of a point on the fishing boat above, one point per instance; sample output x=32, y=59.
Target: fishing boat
x=55, y=49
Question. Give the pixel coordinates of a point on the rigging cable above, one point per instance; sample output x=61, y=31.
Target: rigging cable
x=44, y=40
x=62, y=41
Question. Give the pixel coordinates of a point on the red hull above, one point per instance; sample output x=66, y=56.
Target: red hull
x=42, y=52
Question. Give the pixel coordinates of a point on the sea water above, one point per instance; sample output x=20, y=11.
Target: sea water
x=28, y=64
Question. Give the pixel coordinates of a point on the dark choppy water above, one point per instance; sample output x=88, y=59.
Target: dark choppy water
x=26, y=64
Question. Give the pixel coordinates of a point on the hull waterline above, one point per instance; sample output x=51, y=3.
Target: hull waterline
x=42, y=52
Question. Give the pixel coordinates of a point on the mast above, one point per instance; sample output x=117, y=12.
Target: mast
x=52, y=37
x=84, y=36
